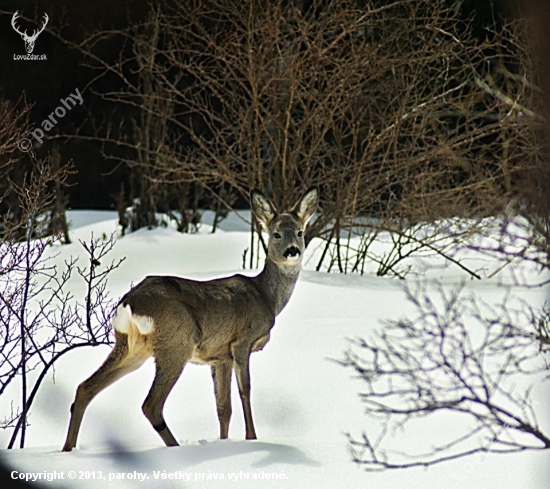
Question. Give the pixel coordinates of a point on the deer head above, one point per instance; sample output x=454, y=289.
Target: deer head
x=286, y=230
x=29, y=40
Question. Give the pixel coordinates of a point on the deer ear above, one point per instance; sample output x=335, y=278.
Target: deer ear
x=307, y=205
x=263, y=209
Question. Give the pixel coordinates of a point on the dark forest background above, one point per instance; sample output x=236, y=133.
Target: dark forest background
x=405, y=111
x=97, y=180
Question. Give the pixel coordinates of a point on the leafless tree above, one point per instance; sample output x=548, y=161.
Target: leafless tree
x=395, y=109
x=58, y=224
x=13, y=128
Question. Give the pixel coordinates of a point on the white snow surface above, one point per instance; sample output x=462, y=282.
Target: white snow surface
x=303, y=402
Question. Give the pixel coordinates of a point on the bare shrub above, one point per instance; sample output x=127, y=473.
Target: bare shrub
x=38, y=318
x=476, y=362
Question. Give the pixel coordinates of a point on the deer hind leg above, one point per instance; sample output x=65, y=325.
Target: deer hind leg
x=169, y=367
x=221, y=374
x=119, y=363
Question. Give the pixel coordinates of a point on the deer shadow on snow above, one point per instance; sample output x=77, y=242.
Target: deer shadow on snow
x=187, y=456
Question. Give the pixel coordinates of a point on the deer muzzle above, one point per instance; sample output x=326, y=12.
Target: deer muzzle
x=292, y=253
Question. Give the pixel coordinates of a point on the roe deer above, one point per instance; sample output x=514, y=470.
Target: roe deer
x=218, y=322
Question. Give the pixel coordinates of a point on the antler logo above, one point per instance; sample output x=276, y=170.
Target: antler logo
x=29, y=40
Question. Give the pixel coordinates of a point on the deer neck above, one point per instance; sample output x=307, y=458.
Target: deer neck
x=277, y=283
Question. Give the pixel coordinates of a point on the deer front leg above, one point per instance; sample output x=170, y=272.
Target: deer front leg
x=241, y=358
x=221, y=374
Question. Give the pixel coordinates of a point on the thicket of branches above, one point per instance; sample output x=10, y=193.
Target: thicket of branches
x=395, y=109
x=484, y=365
x=481, y=367
x=40, y=320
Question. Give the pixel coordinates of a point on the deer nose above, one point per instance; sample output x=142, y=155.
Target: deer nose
x=292, y=252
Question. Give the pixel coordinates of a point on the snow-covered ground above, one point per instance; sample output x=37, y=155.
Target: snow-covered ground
x=303, y=402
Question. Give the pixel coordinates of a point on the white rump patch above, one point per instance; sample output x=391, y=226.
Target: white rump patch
x=144, y=323
x=121, y=321
x=124, y=318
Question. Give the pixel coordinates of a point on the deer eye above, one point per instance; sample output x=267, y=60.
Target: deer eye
x=276, y=235
x=300, y=234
